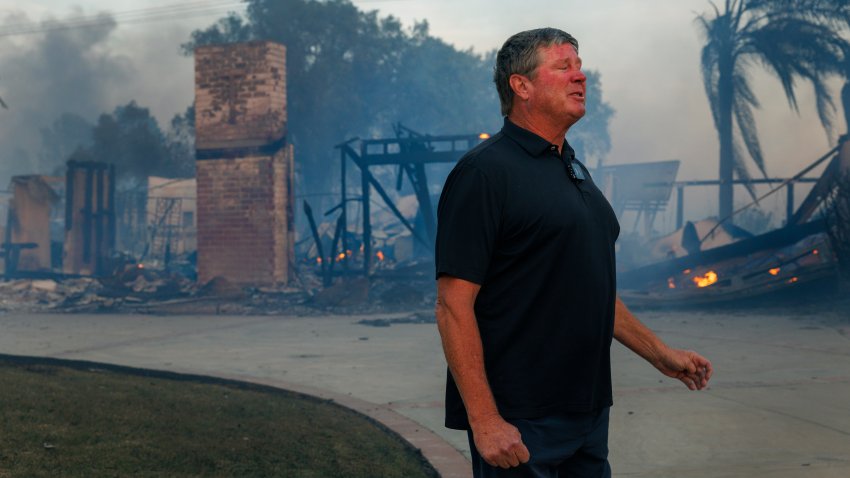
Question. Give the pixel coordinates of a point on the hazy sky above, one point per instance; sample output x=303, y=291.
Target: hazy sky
x=647, y=53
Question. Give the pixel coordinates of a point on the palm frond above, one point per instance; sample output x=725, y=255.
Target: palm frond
x=797, y=41
x=792, y=49
x=741, y=83
x=709, y=80
x=824, y=104
x=832, y=13
x=747, y=125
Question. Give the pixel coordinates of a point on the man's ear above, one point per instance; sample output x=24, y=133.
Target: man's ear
x=521, y=85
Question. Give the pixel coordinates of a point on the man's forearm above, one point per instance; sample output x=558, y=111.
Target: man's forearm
x=629, y=331
x=498, y=442
x=465, y=357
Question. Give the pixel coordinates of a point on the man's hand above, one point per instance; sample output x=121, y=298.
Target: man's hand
x=691, y=368
x=499, y=443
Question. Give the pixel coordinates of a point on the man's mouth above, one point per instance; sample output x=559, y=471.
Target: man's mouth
x=578, y=94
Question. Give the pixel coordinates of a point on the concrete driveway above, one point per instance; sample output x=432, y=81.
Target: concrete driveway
x=779, y=404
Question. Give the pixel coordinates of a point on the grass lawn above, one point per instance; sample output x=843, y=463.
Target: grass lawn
x=80, y=421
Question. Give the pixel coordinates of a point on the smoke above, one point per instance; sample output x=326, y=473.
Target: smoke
x=45, y=75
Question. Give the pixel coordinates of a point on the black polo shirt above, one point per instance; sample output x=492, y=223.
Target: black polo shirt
x=541, y=245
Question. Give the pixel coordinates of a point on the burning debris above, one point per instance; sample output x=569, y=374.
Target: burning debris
x=745, y=269
x=713, y=262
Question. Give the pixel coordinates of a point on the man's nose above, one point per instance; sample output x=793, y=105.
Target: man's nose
x=580, y=77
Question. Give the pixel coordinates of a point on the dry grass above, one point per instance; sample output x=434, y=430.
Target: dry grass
x=79, y=421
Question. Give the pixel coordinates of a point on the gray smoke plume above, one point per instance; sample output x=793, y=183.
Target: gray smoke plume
x=43, y=76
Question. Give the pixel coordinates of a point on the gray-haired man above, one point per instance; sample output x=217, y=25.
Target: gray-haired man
x=526, y=294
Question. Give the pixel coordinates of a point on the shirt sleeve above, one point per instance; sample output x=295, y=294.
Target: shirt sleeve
x=468, y=217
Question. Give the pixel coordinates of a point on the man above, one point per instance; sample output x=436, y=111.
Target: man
x=526, y=295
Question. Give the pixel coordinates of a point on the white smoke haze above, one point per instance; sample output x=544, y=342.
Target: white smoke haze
x=46, y=75
x=85, y=72
x=648, y=55
x=646, y=52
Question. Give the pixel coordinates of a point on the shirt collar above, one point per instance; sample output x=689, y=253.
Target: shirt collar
x=531, y=143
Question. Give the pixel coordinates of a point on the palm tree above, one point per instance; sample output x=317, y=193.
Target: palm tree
x=792, y=39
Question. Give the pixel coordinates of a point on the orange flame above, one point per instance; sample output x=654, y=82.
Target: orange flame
x=792, y=280
x=318, y=260
x=340, y=257
x=709, y=278
x=380, y=255
x=483, y=136
x=774, y=271
x=670, y=283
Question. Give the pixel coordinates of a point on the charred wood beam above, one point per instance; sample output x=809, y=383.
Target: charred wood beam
x=416, y=157
x=638, y=278
x=343, y=217
x=795, y=178
x=69, y=197
x=789, y=203
x=374, y=182
x=715, y=182
x=11, y=256
x=452, y=139
x=680, y=206
x=340, y=225
x=416, y=174
x=110, y=200
x=365, y=178
x=308, y=211
x=381, y=192
x=344, y=150
x=99, y=219
x=839, y=164
x=88, y=219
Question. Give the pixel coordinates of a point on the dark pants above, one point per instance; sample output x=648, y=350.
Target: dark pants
x=562, y=446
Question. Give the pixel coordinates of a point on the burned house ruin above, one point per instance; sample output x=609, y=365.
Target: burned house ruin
x=60, y=226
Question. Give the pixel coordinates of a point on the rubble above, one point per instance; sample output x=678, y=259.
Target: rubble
x=143, y=290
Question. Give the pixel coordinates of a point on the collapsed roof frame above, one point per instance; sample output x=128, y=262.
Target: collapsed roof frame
x=411, y=152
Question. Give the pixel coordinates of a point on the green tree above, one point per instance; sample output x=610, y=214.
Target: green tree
x=180, y=144
x=792, y=39
x=589, y=137
x=68, y=133
x=353, y=73
x=131, y=139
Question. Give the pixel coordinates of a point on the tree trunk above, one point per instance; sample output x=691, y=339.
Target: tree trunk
x=725, y=97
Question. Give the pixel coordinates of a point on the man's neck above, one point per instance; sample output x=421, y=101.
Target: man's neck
x=551, y=133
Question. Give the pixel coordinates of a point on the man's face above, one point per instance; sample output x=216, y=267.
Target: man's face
x=558, y=88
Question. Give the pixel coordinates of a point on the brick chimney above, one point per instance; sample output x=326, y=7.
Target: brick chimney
x=244, y=164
